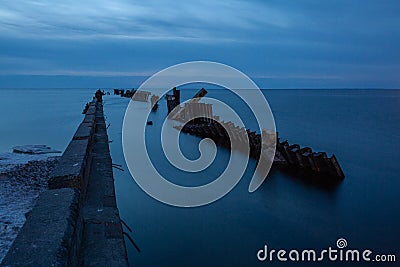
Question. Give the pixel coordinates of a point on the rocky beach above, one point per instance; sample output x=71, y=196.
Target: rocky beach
x=22, y=178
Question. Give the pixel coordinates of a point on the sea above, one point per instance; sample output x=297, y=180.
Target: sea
x=288, y=212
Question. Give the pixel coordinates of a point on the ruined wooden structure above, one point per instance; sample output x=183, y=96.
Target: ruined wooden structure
x=137, y=95
x=173, y=100
x=154, y=102
x=292, y=157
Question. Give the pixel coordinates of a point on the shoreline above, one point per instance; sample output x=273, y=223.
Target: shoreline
x=75, y=219
x=20, y=186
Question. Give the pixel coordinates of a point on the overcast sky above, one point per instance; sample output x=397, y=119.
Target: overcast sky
x=281, y=44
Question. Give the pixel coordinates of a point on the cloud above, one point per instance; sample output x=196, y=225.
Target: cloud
x=304, y=40
x=86, y=73
x=183, y=20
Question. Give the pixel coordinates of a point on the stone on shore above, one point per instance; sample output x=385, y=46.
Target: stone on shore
x=34, y=149
x=20, y=185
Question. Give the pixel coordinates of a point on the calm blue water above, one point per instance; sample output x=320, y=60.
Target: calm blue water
x=40, y=116
x=360, y=126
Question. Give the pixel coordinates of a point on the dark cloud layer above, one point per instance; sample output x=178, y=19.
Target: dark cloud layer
x=279, y=43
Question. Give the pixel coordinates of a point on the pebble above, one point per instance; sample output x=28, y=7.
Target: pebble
x=19, y=189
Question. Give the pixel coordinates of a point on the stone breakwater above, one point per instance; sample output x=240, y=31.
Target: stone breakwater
x=76, y=221
x=19, y=189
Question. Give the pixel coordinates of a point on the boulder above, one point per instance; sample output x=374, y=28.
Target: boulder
x=34, y=149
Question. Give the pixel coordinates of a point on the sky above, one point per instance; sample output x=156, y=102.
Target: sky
x=279, y=44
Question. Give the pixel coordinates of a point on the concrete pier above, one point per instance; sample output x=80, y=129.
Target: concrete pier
x=76, y=222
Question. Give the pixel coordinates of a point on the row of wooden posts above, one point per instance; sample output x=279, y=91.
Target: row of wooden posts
x=207, y=125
